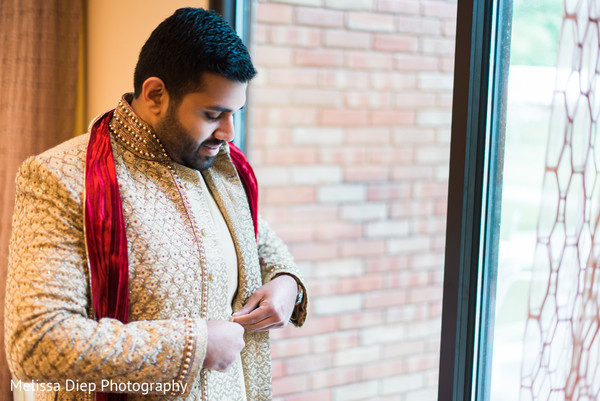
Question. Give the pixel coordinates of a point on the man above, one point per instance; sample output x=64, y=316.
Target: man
x=139, y=268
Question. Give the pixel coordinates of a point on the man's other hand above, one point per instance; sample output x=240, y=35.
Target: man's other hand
x=271, y=306
x=224, y=344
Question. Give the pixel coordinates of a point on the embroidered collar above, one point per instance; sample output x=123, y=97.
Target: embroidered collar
x=135, y=134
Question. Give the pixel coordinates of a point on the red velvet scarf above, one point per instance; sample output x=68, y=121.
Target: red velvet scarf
x=105, y=237
x=248, y=180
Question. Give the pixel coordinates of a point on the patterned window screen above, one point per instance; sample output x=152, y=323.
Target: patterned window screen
x=561, y=353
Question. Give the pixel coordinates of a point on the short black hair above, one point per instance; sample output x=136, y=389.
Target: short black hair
x=188, y=43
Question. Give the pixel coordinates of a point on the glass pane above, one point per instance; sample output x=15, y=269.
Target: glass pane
x=532, y=238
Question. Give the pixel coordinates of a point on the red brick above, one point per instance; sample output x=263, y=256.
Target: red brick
x=449, y=28
x=440, y=9
x=368, y=136
x=416, y=63
x=335, y=341
x=437, y=46
x=422, y=362
x=270, y=136
x=295, y=36
x=368, y=100
x=418, y=26
x=293, y=77
x=314, y=251
x=290, y=116
x=347, y=39
x=272, y=96
x=277, y=369
x=364, y=21
x=391, y=156
x=290, y=384
x=314, y=325
x=334, y=377
x=389, y=191
x=417, y=135
x=323, y=288
x=340, y=96
x=431, y=293
x=399, y=6
x=384, y=299
x=290, y=347
x=362, y=248
x=393, y=117
x=274, y=13
x=369, y=60
x=412, y=173
x=395, y=42
x=407, y=313
x=415, y=100
x=343, y=156
x=367, y=173
x=287, y=195
x=261, y=35
x=361, y=319
x=323, y=395
x=337, y=117
x=387, y=263
x=273, y=56
x=447, y=64
x=318, y=97
x=337, y=231
x=405, y=348
x=318, y=58
x=307, y=363
x=381, y=369
x=394, y=81
x=407, y=279
x=411, y=208
x=344, y=79
x=312, y=213
x=430, y=225
x=431, y=189
x=296, y=233
x=291, y=156
x=373, y=282
x=319, y=17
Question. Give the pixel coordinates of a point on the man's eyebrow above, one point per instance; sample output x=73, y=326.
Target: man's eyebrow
x=222, y=109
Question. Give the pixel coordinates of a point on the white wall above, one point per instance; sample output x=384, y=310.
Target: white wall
x=117, y=30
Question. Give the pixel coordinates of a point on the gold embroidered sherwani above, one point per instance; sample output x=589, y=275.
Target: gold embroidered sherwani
x=176, y=274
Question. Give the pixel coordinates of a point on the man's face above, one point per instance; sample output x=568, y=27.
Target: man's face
x=193, y=131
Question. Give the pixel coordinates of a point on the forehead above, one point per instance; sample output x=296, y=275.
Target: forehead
x=218, y=91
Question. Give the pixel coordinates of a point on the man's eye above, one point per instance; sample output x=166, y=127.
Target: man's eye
x=212, y=116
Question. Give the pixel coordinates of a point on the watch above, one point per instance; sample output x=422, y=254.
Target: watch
x=300, y=295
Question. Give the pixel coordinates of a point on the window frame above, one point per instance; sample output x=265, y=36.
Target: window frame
x=474, y=198
x=238, y=13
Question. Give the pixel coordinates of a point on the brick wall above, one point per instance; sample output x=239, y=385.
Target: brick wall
x=349, y=135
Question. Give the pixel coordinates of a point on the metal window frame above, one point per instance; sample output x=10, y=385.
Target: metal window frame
x=238, y=13
x=474, y=194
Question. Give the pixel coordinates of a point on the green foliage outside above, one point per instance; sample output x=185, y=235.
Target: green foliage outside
x=535, y=32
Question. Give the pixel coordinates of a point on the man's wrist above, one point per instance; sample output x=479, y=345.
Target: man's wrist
x=299, y=290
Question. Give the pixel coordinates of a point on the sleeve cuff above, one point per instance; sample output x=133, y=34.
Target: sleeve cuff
x=193, y=354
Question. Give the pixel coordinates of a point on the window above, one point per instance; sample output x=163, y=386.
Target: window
x=520, y=316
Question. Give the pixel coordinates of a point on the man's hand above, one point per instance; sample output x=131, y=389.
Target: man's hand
x=271, y=306
x=225, y=341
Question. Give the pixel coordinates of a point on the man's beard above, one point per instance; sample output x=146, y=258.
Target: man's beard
x=179, y=146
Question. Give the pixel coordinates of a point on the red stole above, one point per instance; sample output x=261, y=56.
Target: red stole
x=105, y=237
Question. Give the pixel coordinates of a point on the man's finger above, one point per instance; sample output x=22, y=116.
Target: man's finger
x=250, y=305
x=263, y=325
x=257, y=315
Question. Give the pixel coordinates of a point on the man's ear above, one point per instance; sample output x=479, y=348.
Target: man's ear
x=155, y=96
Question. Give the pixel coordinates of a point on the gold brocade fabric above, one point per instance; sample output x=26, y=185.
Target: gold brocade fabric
x=49, y=335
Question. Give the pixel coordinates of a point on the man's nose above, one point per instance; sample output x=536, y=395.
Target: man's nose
x=225, y=131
